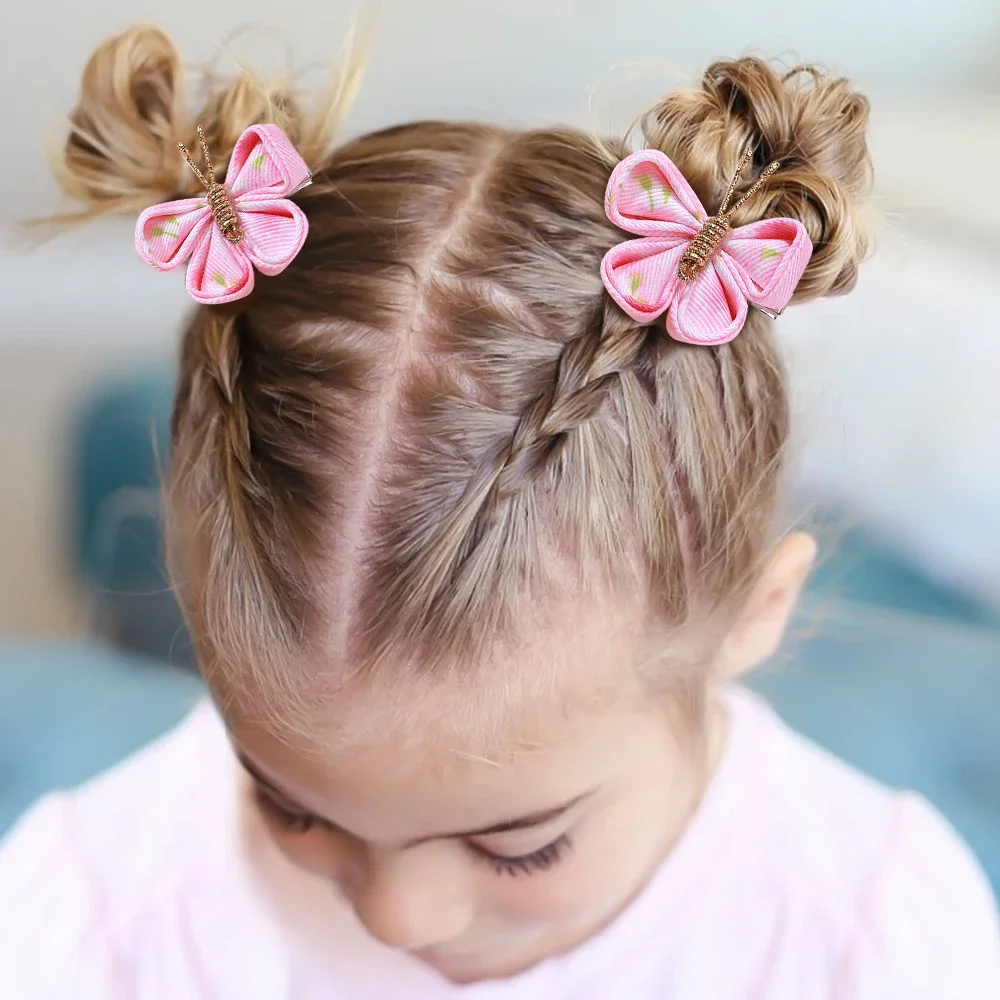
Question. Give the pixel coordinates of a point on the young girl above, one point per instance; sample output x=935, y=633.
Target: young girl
x=476, y=450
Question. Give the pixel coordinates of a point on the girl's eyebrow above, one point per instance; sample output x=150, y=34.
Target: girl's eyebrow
x=508, y=826
x=526, y=822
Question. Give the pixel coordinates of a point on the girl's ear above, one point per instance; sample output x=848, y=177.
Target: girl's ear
x=760, y=628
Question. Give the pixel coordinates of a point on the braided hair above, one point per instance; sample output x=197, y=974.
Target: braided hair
x=436, y=425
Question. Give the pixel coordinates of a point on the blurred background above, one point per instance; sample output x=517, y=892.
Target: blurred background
x=894, y=662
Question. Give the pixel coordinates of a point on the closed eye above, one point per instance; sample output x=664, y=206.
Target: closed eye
x=526, y=864
x=289, y=819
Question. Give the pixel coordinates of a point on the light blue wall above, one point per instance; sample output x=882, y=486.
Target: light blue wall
x=517, y=59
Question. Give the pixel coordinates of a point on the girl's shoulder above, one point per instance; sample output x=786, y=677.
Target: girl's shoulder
x=129, y=821
x=83, y=870
x=898, y=892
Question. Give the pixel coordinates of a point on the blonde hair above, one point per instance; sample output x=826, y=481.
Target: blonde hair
x=407, y=442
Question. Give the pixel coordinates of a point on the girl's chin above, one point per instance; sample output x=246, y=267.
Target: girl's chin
x=469, y=966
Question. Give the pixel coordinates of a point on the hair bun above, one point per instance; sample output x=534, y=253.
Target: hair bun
x=121, y=154
x=813, y=124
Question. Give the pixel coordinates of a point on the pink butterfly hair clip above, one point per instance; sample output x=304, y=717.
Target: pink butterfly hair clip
x=244, y=222
x=696, y=269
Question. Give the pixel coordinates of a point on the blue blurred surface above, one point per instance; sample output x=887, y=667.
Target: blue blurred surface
x=69, y=711
x=911, y=700
x=118, y=443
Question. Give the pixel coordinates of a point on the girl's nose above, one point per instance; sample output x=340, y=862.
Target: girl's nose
x=416, y=898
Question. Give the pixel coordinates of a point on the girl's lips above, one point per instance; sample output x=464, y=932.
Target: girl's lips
x=442, y=959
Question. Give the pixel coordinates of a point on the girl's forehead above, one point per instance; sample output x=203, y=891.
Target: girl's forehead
x=421, y=752
x=397, y=790
x=389, y=757
x=531, y=697
x=443, y=726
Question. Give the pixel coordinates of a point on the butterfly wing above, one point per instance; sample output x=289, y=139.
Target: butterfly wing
x=273, y=232
x=166, y=234
x=219, y=271
x=265, y=168
x=709, y=310
x=647, y=195
x=767, y=259
x=641, y=275
x=265, y=165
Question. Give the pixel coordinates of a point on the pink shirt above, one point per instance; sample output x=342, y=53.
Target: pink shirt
x=798, y=878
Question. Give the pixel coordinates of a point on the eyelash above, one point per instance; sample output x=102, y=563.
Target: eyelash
x=294, y=822
x=526, y=864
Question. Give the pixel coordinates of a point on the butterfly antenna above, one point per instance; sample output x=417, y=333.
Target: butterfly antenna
x=206, y=181
x=765, y=173
x=744, y=160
